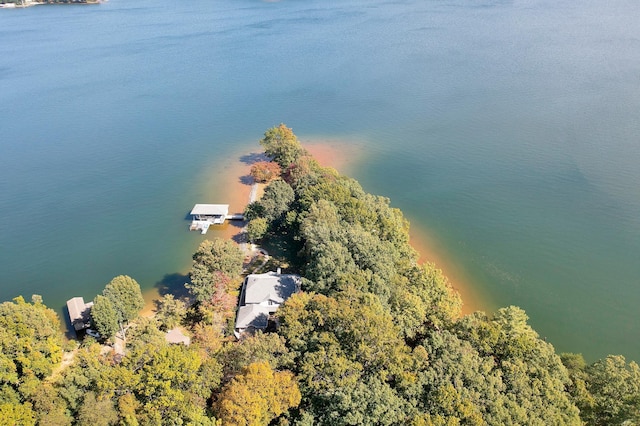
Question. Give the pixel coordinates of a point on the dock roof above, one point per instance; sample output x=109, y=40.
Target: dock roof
x=210, y=210
x=79, y=312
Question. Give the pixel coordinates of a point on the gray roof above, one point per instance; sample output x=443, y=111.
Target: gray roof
x=210, y=209
x=253, y=316
x=270, y=286
x=79, y=312
x=263, y=288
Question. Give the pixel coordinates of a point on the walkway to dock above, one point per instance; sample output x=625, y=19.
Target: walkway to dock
x=252, y=197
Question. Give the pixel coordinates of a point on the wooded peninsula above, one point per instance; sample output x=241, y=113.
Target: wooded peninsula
x=370, y=337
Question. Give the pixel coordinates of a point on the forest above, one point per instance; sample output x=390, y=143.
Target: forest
x=373, y=338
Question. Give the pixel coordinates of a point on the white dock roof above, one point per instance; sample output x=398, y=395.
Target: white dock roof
x=210, y=209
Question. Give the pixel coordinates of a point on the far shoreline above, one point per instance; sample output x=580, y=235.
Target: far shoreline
x=343, y=157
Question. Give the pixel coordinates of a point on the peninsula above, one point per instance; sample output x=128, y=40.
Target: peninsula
x=360, y=332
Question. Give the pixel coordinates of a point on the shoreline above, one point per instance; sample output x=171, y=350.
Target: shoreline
x=233, y=178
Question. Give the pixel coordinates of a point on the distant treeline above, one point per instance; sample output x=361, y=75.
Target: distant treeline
x=374, y=338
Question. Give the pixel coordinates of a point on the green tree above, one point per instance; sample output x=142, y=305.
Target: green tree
x=262, y=347
x=607, y=392
x=533, y=377
x=105, y=316
x=282, y=145
x=340, y=343
x=12, y=414
x=276, y=199
x=170, y=311
x=257, y=228
x=30, y=348
x=253, y=211
x=124, y=292
x=88, y=373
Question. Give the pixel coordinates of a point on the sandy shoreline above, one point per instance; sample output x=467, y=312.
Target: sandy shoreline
x=233, y=177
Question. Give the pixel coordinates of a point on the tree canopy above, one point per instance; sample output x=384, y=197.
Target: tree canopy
x=213, y=261
x=126, y=297
x=281, y=144
x=374, y=338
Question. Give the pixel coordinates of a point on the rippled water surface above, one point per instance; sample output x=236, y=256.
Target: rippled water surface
x=508, y=129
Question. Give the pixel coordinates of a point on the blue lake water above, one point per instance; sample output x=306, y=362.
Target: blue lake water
x=508, y=129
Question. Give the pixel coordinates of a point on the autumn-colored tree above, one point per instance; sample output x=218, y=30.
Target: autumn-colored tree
x=257, y=396
x=50, y=408
x=215, y=260
x=265, y=171
x=168, y=383
x=220, y=303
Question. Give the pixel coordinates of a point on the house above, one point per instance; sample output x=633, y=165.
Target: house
x=261, y=296
x=79, y=313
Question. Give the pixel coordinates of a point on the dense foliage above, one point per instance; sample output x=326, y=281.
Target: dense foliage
x=375, y=338
x=120, y=302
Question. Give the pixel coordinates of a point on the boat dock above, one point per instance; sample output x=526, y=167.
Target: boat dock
x=205, y=215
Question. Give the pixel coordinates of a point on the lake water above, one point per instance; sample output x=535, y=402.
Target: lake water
x=508, y=129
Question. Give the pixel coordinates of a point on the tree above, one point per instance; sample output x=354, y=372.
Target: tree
x=282, y=145
x=171, y=311
x=257, y=228
x=607, y=392
x=534, y=381
x=50, y=408
x=213, y=261
x=105, y=316
x=257, y=396
x=97, y=412
x=17, y=414
x=261, y=347
x=124, y=292
x=253, y=211
x=167, y=382
x=276, y=199
x=265, y=171
x=30, y=348
x=218, y=304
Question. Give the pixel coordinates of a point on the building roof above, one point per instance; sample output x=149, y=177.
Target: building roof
x=76, y=308
x=253, y=316
x=210, y=210
x=262, y=294
x=270, y=286
x=176, y=336
x=79, y=312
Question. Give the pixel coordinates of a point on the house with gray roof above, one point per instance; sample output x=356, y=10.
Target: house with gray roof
x=261, y=296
